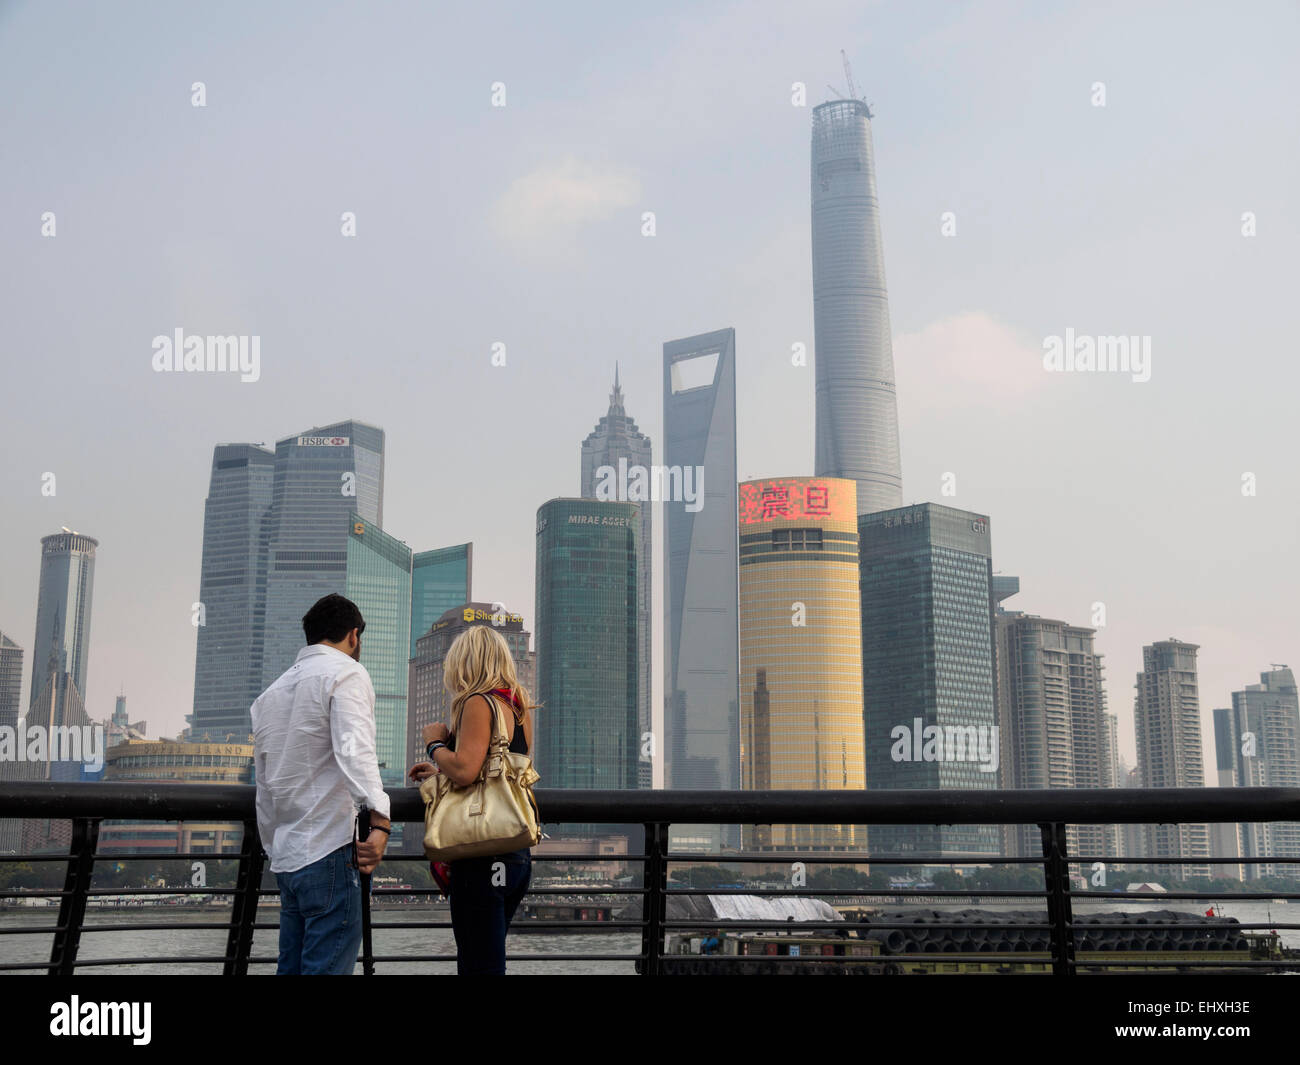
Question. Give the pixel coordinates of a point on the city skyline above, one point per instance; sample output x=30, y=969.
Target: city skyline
x=1117, y=254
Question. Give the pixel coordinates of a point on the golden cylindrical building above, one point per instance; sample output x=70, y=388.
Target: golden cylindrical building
x=800, y=650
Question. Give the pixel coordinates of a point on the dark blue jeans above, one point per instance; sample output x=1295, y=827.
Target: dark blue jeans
x=485, y=893
x=320, y=917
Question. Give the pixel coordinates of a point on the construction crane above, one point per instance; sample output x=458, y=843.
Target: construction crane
x=853, y=89
x=848, y=75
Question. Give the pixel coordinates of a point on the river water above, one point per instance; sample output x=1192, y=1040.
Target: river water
x=186, y=941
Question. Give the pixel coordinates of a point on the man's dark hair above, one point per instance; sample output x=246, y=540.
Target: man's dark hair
x=331, y=619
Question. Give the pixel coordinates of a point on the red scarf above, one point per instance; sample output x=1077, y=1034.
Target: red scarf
x=508, y=696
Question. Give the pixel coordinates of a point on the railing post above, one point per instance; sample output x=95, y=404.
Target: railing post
x=239, y=943
x=1057, y=875
x=652, y=938
x=76, y=885
x=367, y=945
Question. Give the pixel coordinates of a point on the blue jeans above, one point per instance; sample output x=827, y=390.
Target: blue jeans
x=320, y=917
x=485, y=893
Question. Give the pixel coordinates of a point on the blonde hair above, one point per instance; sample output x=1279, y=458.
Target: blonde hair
x=478, y=661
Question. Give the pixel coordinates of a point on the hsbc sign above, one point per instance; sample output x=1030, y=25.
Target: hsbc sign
x=324, y=441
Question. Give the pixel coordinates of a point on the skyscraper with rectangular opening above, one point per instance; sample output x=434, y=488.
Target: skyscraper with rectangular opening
x=701, y=638
x=857, y=409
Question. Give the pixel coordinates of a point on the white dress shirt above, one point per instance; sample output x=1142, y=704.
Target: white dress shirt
x=315, y=759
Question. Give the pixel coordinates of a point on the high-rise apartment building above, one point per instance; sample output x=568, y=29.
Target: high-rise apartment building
x=857, y=408
x=800, y=650
x=1167, y=721
x=232, y=592
x=1262, y=741
x=1051, y=703
x=1112, y=775
x=1225, y=836
x=928, y=666
x=614, y=454
x=701, y=643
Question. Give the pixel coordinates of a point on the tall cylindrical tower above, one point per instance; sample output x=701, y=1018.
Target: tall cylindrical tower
x=857, y=410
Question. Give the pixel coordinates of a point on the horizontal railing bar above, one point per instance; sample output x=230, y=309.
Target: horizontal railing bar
x=134, y=800
x=35, y=894
x=1244, y=896
x=854, y=892
x=1248, y=860
x=519, y=923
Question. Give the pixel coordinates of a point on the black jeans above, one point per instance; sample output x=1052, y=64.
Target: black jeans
x=485, y=893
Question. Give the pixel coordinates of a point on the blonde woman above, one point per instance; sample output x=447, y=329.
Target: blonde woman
x=477, y=671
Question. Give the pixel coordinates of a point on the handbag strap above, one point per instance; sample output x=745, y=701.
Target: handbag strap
x=497, y=737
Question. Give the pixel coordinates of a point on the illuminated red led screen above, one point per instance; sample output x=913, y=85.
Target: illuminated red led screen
x=795, y=500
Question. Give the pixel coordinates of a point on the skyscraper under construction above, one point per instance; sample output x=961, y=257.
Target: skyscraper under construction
x=857, y=410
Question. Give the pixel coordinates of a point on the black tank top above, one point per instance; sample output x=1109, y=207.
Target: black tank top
x=518, y=742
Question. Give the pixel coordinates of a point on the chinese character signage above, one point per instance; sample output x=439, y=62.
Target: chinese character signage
x=797, y=499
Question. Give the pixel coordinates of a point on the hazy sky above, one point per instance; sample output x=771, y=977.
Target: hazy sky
x=522, y=225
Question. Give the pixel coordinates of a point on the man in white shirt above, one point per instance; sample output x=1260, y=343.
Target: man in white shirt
x=315, y=760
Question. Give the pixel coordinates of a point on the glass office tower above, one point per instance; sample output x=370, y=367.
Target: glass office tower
x=232, y=591
x=613, y=446
x=928, y=666
x=587, y=611
x=67, y=585
x=322, y=478
x=379, y=581
x=440, y=580
x=800, y=650
x=857, y=408
x=701, y=641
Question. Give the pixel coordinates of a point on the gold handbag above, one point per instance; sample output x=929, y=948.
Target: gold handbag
x=494, y=815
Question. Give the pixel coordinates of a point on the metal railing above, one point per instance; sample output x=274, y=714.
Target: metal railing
x=1054, y=942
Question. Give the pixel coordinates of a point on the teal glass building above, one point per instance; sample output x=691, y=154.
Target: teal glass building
x=378, y=580
x=928, y=666
x=587, y=644
x=440, y=581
